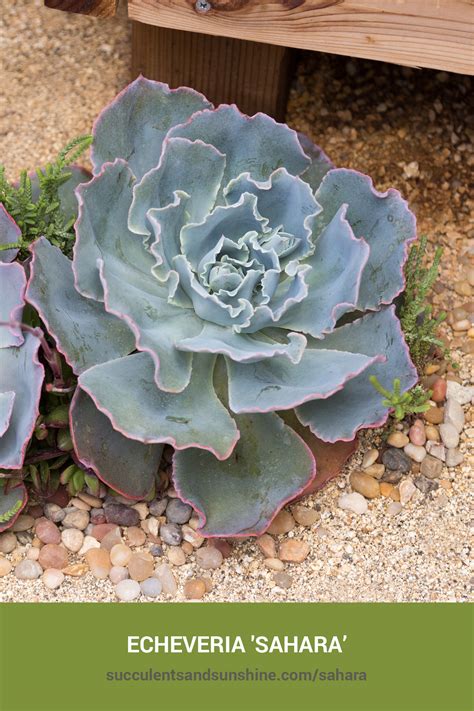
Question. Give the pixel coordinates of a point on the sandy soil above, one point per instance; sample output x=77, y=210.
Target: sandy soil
x=408, y=129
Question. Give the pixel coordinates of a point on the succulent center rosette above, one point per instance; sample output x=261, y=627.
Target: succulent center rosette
x=223, y=272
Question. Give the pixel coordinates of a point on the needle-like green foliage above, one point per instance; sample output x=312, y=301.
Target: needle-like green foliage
x=403, y=404
x=35, y=202
x=416, y=315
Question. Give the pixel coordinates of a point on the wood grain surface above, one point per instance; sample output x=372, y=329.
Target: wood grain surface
x=424, y=33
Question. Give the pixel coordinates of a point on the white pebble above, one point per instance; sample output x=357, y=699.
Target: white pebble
x=415, y=451
x=449, y=435
x=53, y=578
x=407, y=489
x=127, y=590
x=354, y=502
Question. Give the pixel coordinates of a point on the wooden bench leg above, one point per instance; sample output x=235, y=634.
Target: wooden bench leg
x=252, y=75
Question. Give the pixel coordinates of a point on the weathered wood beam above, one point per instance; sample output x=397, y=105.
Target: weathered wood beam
x=97, y=8
x=424, y=33
x=255, y=76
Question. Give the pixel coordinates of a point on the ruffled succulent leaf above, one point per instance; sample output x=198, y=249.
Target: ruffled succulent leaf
x=240, y=496
x=320, y=163
x=242, y=347
x=334, y=280
x=21, y=373
x=139, y=299
x=278, y=384
x=6, y=409
x=84, y=333
x=13, y=498
x=385, y=223
x=100, y=230
x=340, y=416
x=285, y=201
x=12, y=292
x=255, y=144
x=10, y=234
x=192, y=167
x=330, y=456
x=125, y=391
x=123, y=464
x=135, y=124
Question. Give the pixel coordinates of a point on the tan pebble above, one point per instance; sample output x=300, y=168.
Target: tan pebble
x=432, y=433
x=395, y=494
x=176, y=555
x=186, y=547
x=36, y=542
x=192, y=537
x=431, y=368
x=141, y=566
x=80, y=504
x=98, y=560
x=194, y=523
x=445, y=484
x=120, y=554
x=463, y=325
x=462, y=288
x=434, y=415
x=274, y=564
x=370, y=458
x=23, y=523
x=194, y=589
x=5, y=567
x=17, y=555
x=267, y=545
x=386, y=488
x=33, y=554
x=112, y=539
x=208, y=583
x=282, y=523
x=76, y=570
x=142, y=509
x=135, y=536
x=293, y=550
x=305, y=516
x=365, y=485
x=375, y=470
x=93, y=501
x=152, y=526
x=397, y=439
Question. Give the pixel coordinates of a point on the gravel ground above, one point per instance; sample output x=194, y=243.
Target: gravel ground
x=408, y=129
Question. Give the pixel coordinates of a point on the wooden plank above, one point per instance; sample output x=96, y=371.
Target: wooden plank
x=255, y=76
x=97, y=8
x=423, y=33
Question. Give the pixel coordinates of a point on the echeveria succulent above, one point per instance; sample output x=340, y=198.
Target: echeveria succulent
x=223, y=272
x=21, y=375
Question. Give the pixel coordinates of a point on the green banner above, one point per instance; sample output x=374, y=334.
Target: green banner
x=236, y=657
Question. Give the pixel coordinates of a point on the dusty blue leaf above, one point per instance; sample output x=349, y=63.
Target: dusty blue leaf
x=194, y=168
x=334, y=280
x=125, y=390
x=21, y=371
x=84, y=332
x=359, y=404
x=12, y=292
x=242, y=347
x=239, y=496
x=256, y=144
x=123, y=464
x=382, y=219
x=278, y=384
x=135, y=124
